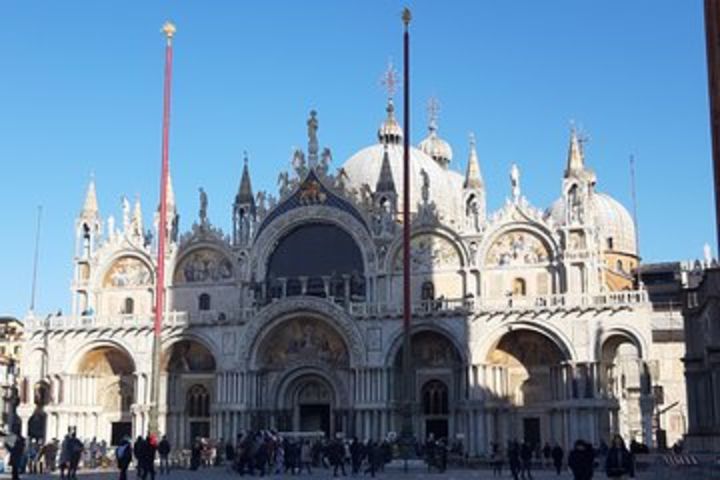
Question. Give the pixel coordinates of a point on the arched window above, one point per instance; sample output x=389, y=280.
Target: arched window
x=198, y=402
x=128, y=306
x=610, y=243
x=435, y=398
x=619, y=266
x=427, y=291
x=519, y=287
x=204, y=302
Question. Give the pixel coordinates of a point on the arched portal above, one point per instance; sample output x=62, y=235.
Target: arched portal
x=626, y=378
x=105, y=377
x=305, y=362
x=523, y=363
x=190, y=369
x=437, y=384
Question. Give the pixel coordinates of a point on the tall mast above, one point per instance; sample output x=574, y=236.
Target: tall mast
x=407, y=418
x=153, y=425
x=33, y=288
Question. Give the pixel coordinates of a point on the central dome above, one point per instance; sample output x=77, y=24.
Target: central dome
x=446, y=186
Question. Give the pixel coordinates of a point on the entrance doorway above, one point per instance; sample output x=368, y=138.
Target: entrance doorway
x=438, y=428
x=199, y=429
x=315, y=418
x=120, y=430
x=531, y=431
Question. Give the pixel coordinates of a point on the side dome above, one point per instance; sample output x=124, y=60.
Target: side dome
x=437, y=148
x=617, y=227
x=445, y=187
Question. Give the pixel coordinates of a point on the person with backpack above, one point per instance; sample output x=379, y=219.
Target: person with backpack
x=147, y=458
x=164, y=452
x=124, y=455
x=581, y=461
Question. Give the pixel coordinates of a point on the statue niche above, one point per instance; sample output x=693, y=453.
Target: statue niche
x=301, y=340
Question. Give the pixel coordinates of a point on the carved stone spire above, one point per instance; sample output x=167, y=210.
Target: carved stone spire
x=385, y=183
x=245, y=194
x=473, y=177
x=576, y=158
x=90, y=209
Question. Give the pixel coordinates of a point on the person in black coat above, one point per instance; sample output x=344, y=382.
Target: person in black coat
x=581, y=461
x=526, y=453
x=619, y=462
x=337, y=457
x=124, y=455
x=137, y=450
x=514, y=458
x=164, y=452
x=557, y=454
x=17, y=454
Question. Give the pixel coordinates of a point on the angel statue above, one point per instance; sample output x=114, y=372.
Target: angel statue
x=283, y=183
x=203, y=206
x=425, y=186
x=325, y=159
x=515, y=182
x=298, y=162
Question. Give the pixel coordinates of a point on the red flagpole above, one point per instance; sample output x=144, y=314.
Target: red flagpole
x=169, y=31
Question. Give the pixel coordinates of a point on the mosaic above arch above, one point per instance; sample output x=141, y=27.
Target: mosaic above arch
x=427, y=253
x=301, y=339
x=517, y=247
x=203, y=265
x=128, y=272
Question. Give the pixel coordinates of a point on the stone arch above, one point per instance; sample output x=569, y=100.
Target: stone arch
x=74, y=361
x=492, y=337
x=282, y=388
x=265, y=243
x=395, y=248
x=540, y=240
x=279, y=312
x=102, y=274
x=217, y=260
x=395, y=345
x=187, y=354
x=626, y=332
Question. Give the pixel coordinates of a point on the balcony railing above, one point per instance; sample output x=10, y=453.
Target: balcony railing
x=436, y=307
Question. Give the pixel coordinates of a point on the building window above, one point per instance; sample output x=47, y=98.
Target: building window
x=204, y=302
x=435, y=398
x=619, y=266
x=128, y=306
x=610, y=243
x=519, y=287
x=427, y=291
x=198, y=401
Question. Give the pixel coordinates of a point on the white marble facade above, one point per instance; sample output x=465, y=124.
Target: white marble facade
x=526, y=323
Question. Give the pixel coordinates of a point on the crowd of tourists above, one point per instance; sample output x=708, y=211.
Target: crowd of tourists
x=269, y=453
x=583, y=460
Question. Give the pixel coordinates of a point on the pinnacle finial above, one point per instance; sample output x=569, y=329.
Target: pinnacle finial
x=406, y=17
x=433, y=109
x=169, y=30
x=245, y=157
x=473, y=142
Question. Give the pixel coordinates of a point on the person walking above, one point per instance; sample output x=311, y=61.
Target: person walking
x=547, y=455
x=76, y=451
x=64, y=456
x=147, y=458
x=619, y=463
x=514, y=459
x=124, y=455
x=164, y=453
x=306, y=456
x=17, y=456
x=337, y=457
x=496, y=459
x=557, y=457
x=581, y=461
x=526, y=453
x=138, y=450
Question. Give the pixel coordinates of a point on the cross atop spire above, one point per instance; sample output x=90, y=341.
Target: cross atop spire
x=389, y=80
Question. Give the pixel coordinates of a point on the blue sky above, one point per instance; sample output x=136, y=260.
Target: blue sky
x=81, y=92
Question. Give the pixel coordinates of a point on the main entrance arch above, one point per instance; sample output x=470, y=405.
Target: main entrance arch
x=305, y=362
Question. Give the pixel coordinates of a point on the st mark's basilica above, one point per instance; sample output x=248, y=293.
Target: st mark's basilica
x=527, y=322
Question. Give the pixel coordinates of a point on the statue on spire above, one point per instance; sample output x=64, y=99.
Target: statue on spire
x=313, y=147
x=433, y=110
x=515, y=182
x=203, y=206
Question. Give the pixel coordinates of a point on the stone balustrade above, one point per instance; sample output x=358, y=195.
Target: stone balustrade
x=437, y=307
